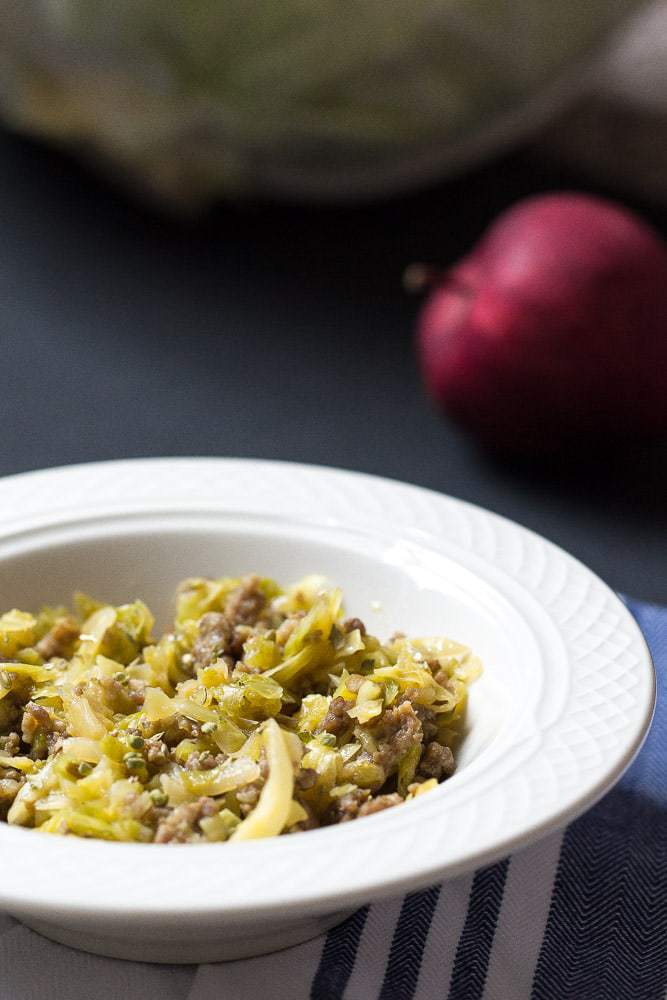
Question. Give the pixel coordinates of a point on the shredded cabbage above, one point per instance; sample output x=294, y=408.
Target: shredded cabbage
x=262, y=712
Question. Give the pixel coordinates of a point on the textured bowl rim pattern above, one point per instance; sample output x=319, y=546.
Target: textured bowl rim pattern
x=584, y=722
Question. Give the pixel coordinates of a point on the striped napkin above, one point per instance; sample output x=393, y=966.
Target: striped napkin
x=580, y=916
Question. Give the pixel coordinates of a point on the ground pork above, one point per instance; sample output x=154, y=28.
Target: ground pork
x=136, y=691
x=240, y=636
x=397, y=731
x=285, y=629
x=8, y=790
x=9, y=744
x=204, y=761
x=182, y=824
x=9, y=712
x=248, y=796
x=425, y=715
x=11, y=773
x=379, y=803
x=214, y=640
x=441, y=676
x=59, y=640
x=42, y=731
x=35, y=719
x=118, y=696
x=358, y=803
x=354, y=623
x=305, y=778
x=244, y=605
x=427, y=718
x=180, y=728
x=244, y=668
x=55, y=739
x=347, y=806
x=336, y=720
x=437, y=762
x=156, y=752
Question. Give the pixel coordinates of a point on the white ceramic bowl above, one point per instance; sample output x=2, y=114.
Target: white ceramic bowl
x=562, y=707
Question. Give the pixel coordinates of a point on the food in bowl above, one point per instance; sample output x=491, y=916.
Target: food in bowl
x=263, y=711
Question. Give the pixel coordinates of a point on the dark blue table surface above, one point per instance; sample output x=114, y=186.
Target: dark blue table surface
x=278, y=332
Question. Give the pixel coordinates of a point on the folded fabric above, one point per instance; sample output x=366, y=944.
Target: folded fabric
x=617, y=131
x=580, y=916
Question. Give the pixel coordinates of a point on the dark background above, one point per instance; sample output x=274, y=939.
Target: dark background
x=276, y=332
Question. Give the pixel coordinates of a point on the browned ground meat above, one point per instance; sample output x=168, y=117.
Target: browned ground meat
x=437, y=762
x=59, y=640
x=245, y=604
x=8, y=789
x=156, y=752
x=360, y=803
x=54, y=740
x=347, y=806
x=204, y=761
x=214, y=639
x=398, y=729
x=181, y=825
x=118, y=695
x=9, y=744
x=240, y=636
x=354, y=623
x=427, y=718
x=179, y=729
x=248, y=797
x=305, y=778
x=425, y=715
x=41, y=731
x=9, y=712
x=379, y=803
x=285, y=629
x=35, y=718
x=136, y=691
x=441, y=676
x=336, y=721
x=245, y=668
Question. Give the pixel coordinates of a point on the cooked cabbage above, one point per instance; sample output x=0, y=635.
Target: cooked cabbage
x=262, y=712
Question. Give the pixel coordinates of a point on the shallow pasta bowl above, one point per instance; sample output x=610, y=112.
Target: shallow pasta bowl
x=561, y=709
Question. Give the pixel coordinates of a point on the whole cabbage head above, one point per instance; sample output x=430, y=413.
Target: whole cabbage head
x=197, y=99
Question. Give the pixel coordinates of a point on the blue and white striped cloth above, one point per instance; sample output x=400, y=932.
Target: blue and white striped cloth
x=580, y=916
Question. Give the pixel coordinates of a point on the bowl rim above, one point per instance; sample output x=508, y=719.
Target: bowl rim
x=518, y=561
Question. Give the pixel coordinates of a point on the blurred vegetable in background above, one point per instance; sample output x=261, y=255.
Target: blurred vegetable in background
x=193, y=101
x=552, y=332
